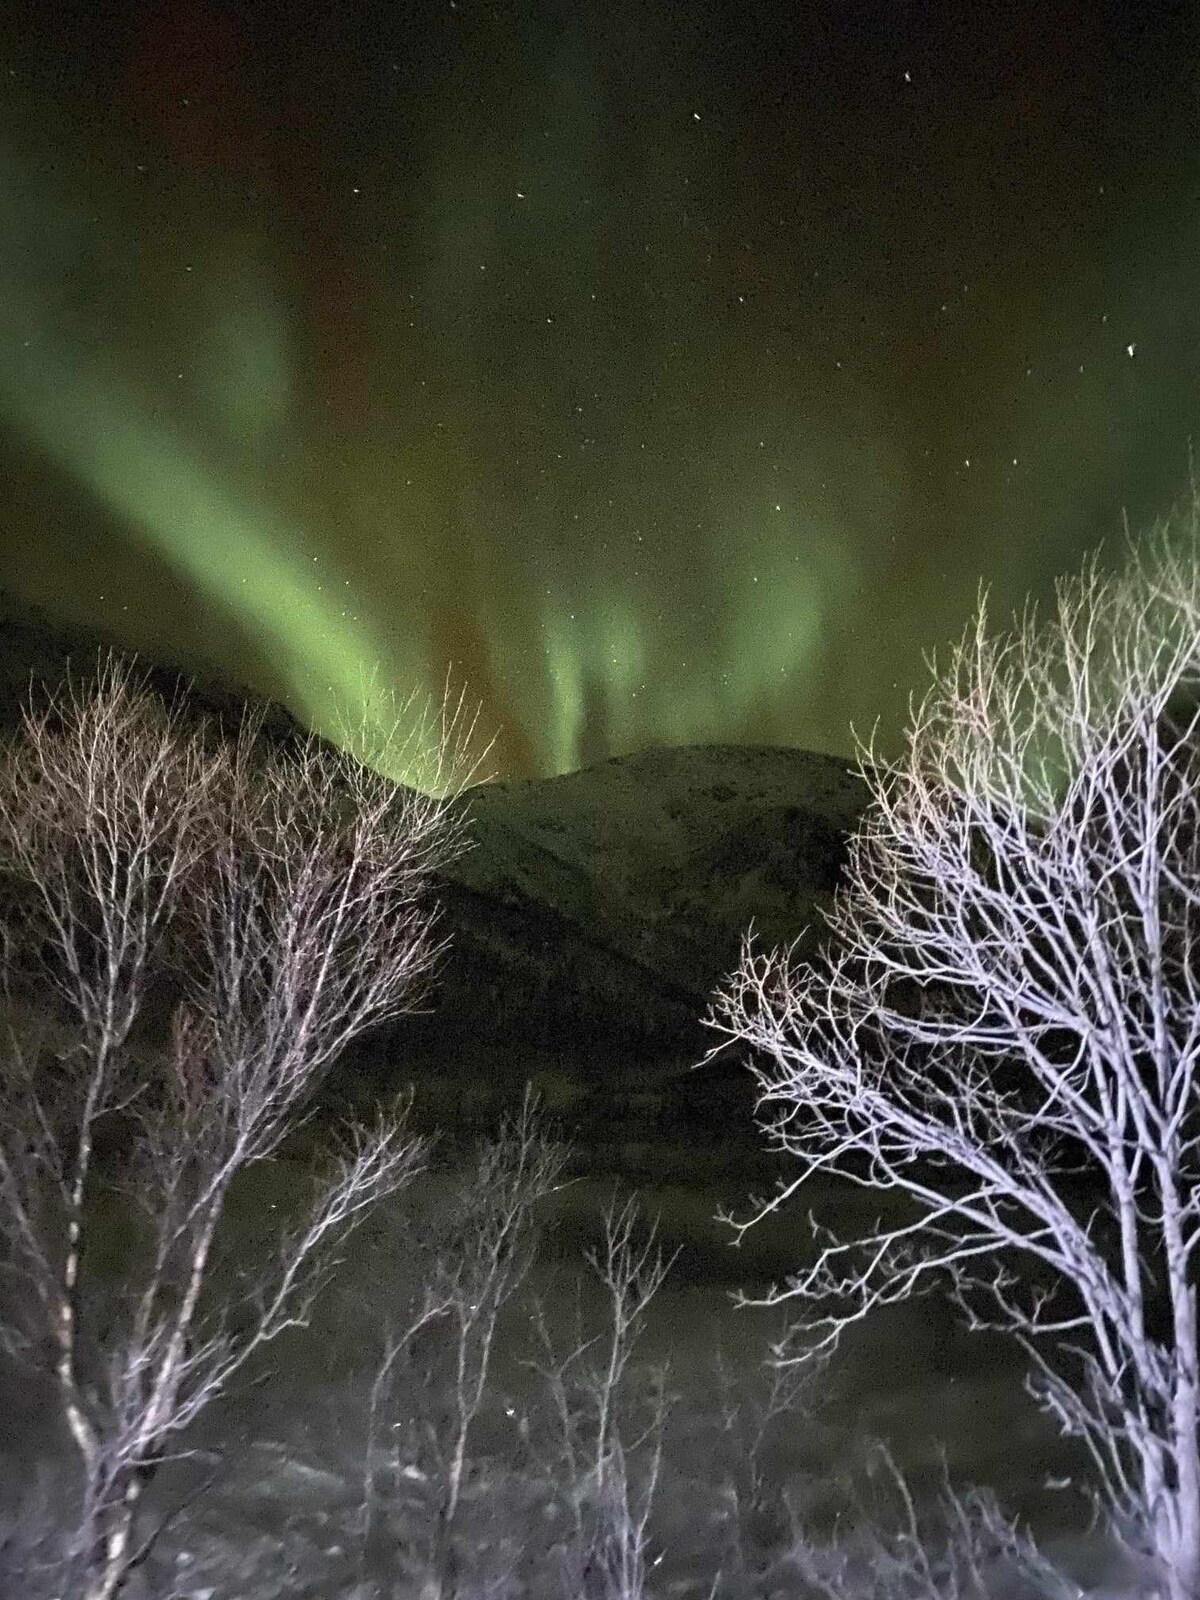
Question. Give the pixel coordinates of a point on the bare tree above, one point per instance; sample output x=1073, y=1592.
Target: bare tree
x=608, y=1416
x=886, y=1546
x=277, y=894
x=1004, y=1028
x=432, y=1378
x=755, y=1412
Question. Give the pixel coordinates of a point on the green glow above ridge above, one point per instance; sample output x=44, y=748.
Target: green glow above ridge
x=222, y=536
x=593, y=427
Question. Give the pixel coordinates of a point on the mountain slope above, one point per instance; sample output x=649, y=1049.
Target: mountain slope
x=596, y=911
x=36, y=649
x=606, y=904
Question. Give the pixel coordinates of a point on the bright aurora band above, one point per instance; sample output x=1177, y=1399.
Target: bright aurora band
x=666, y=372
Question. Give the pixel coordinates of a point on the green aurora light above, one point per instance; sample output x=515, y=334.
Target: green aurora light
x=659, y=384
x=603, y=682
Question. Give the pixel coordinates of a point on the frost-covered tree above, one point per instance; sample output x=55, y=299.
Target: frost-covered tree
x=1003, y=1029
x=275, y=896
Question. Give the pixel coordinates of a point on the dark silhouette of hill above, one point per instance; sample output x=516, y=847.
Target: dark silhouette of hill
x=595, y=913
x=37, y=649
x=605, y=904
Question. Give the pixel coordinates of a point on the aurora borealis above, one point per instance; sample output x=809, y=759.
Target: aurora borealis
x=666, y=372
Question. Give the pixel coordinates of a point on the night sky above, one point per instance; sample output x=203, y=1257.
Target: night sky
x=670, y=372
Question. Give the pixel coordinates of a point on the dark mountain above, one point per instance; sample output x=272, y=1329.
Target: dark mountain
x=37, y=649
x=605, y=904
x=595, y=913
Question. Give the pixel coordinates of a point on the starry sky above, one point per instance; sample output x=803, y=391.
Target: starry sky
x=665, y=371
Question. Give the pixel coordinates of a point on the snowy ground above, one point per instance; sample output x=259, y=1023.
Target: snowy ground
x=283, y=1513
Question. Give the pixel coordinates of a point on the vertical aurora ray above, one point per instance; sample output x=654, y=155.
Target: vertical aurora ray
x=228, y=545
x=223, y=535
x=665, y=384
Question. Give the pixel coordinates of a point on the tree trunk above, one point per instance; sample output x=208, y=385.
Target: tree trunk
x=114, y=1547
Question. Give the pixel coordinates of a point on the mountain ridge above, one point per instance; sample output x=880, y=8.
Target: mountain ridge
x=595, y=911
x=663, y=858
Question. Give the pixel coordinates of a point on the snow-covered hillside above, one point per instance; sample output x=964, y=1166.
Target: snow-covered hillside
x=613, y=899
x=598, y=909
